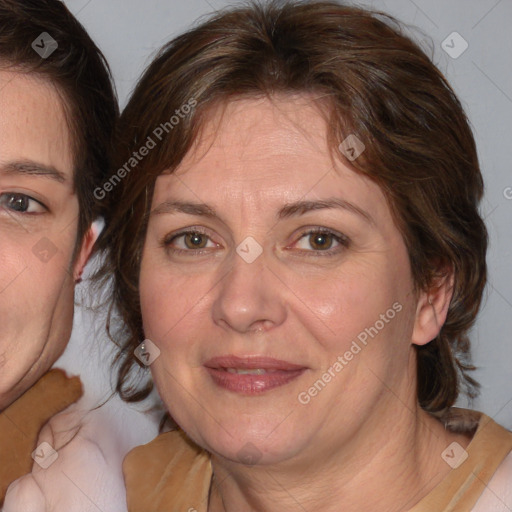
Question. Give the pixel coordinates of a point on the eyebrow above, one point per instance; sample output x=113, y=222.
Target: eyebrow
x=289, y=210
x=302, y=207
x=30, y=168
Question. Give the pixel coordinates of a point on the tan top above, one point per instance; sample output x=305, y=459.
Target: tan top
x=21, y=422
x=171, y=474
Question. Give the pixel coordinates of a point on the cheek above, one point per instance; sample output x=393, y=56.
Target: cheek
x=169, y=316
x=36, y=309
x=33, y=273
x=36, y=299
x=171, y=301
x=39, y=302
x=364, y=311
x=347, y=302
x=160, y=303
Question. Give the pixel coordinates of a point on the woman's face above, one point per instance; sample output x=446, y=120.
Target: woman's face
x=38, y=228
x=277, y=288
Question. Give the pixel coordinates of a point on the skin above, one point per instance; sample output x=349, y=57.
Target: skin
x=363, y=440
x=38, y=212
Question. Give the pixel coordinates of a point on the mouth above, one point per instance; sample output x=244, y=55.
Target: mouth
x=251, y=375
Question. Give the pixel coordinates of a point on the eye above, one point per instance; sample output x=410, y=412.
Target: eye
x=21, y=203
x=322, y=240
x=189, y=241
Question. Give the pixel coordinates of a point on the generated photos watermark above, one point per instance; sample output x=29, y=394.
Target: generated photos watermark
x=454, y=455
x=249, y=249
x=352, y=147
x=45, y=455
x=150, y=143
x=44, y=45
x=147, y=352
x=357, y=345
x=454, y=45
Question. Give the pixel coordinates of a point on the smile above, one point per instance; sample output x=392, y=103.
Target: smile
x=251, y=375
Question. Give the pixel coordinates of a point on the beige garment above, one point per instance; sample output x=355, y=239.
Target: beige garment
x=171, y=474
x=460, y=490
x=21, y=422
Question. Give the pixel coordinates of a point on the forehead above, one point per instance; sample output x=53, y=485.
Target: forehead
x=261, y=128
x=266, y=150
x=33, y=124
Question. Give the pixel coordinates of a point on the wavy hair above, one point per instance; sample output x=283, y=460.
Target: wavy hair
x=379, y=85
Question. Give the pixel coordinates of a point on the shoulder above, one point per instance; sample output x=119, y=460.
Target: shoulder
x=86, y=474
x=79, y=479
x=497, y=495
x=493, y=443
x=170, y=448
x=73, y=472
x=169, y=473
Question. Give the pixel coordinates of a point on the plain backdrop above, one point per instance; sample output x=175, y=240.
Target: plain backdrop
x=129, y=32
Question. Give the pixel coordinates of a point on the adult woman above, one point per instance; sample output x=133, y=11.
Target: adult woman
x=296, y=235
x=58, y=110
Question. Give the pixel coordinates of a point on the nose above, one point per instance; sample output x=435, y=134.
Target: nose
x=249, y=297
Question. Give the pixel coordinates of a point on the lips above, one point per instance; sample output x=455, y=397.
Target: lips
x=252, y=374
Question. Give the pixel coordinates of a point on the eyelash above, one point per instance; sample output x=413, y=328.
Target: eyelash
x=342, y=240
x=24, y=196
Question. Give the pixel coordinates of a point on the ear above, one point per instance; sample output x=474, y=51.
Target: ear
x=85, y=250
x=432, y=309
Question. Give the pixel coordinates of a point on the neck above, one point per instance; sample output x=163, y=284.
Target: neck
x=387, y=465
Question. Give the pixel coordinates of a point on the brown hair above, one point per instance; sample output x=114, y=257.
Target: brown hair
x=80, y=73
x=380, y=86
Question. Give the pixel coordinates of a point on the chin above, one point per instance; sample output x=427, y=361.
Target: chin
x=258, y=451
x=250, y=442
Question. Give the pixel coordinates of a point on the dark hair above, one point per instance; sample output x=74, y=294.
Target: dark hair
x=379, y=85
x=81, y=75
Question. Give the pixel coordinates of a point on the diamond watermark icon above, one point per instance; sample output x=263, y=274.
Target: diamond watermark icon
x=454, y=45
x=352, y=147
x=44, y=45
x=45, y=250
x=454, y=455
x=45, y=455
x=249, y=249
x=147, y=352
x=249, y=454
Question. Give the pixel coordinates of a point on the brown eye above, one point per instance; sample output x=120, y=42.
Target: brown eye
x=318, y=241
x=195, y=240
x=192, y=242
x=321, y=241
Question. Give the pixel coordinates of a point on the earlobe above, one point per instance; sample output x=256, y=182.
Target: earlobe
x=432, y=309
x=86, y=249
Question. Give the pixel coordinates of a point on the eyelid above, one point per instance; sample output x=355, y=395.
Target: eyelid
x=168, y=239
x=342, y=240
x=192, y=229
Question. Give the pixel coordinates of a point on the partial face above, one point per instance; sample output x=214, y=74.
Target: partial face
x=284, y=344
x=38, y=227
